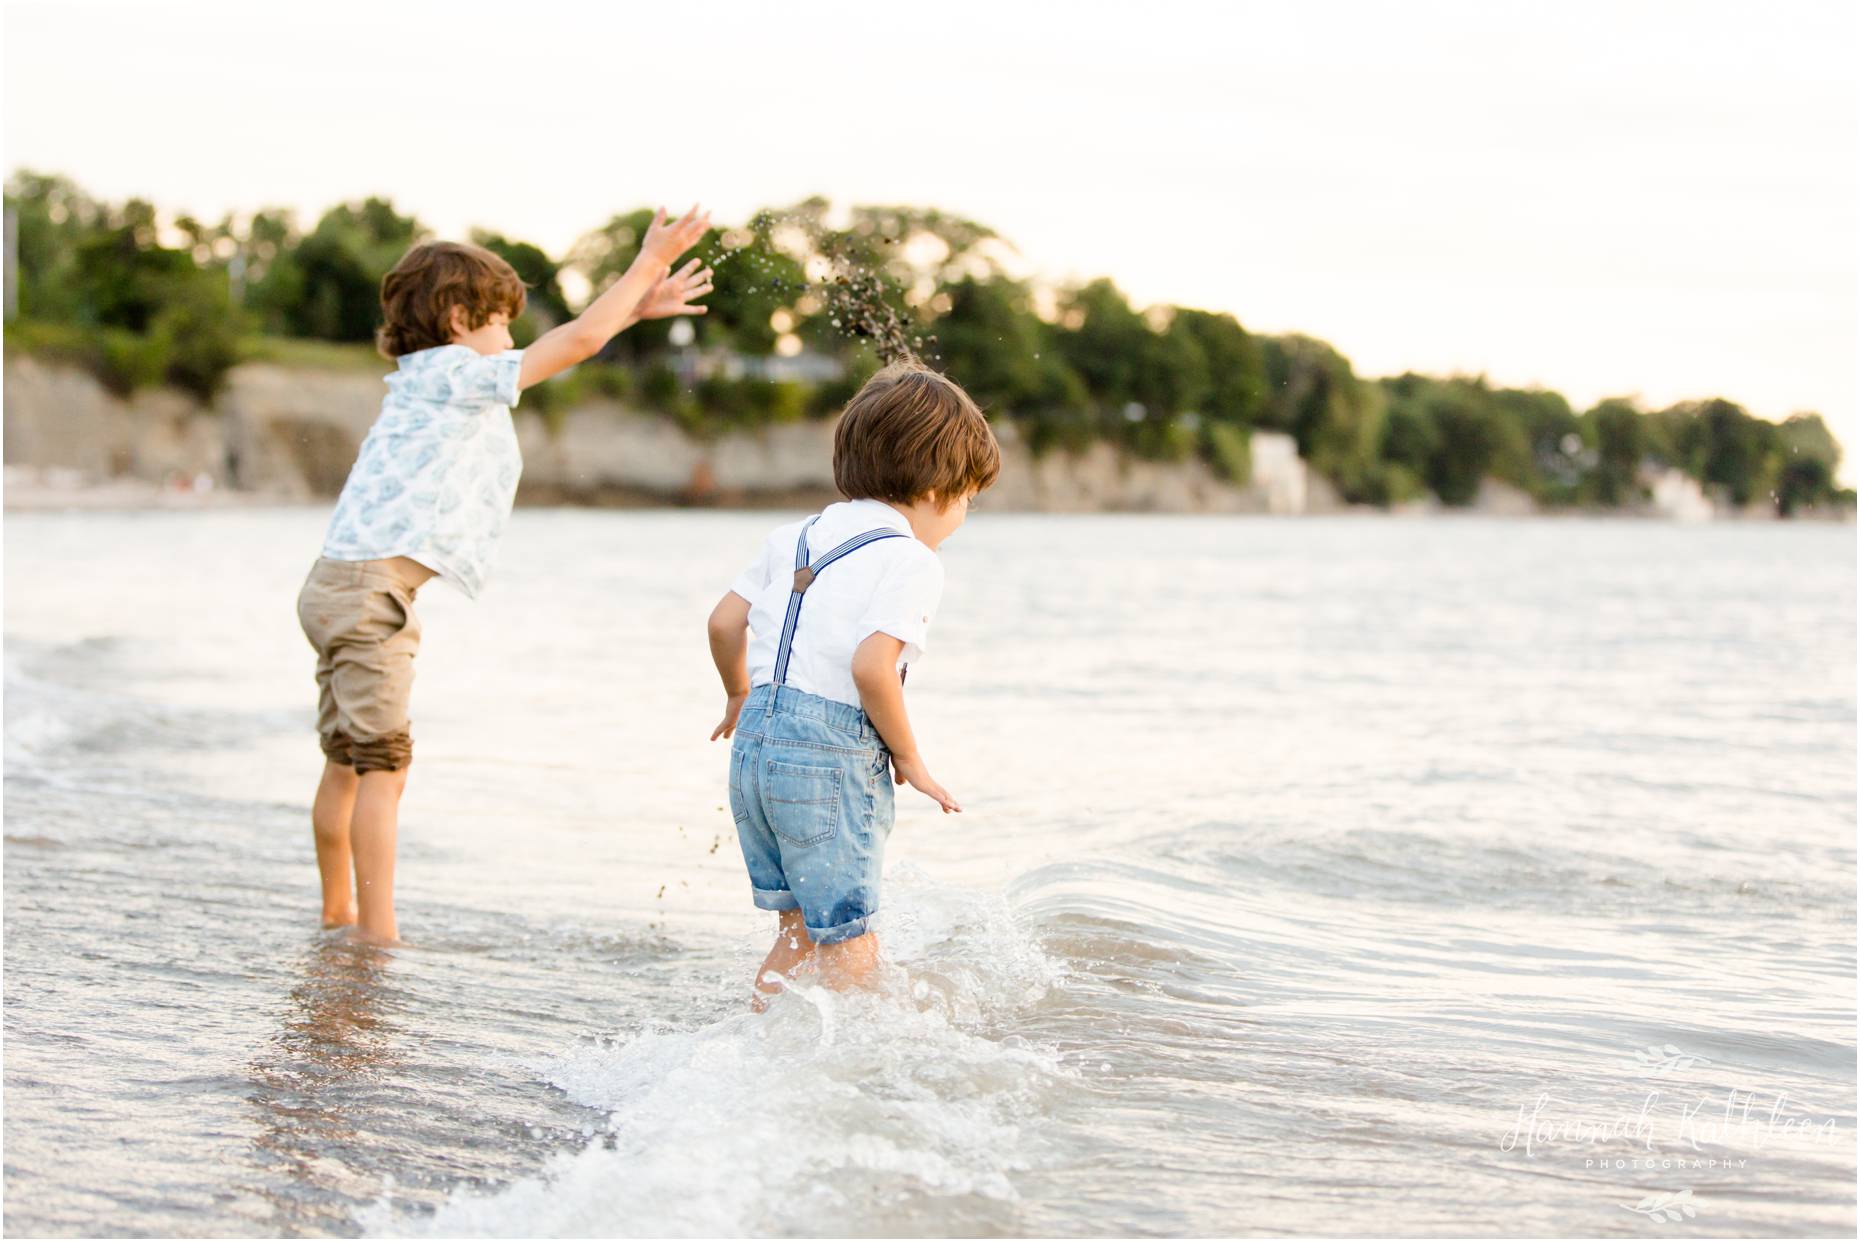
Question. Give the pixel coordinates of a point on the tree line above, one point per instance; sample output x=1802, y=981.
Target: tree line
x=143, y=299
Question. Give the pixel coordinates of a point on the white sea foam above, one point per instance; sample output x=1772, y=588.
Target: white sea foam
x=830, y=1101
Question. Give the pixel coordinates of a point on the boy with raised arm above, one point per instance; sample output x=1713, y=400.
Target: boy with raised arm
x=839, y=604
x=428, y=497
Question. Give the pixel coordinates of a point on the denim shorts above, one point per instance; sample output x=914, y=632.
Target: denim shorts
x=810, y=789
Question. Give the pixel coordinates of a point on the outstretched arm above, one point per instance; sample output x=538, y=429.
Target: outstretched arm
x=585, y=335
x=875, y=674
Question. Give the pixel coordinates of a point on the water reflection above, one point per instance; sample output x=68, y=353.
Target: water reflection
x=314, y=1083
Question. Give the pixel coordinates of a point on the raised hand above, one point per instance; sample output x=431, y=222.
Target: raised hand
x=666, y=239
x=676, y=291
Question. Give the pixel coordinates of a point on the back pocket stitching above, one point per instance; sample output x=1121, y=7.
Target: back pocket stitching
x=832, y=823
x=834, y=775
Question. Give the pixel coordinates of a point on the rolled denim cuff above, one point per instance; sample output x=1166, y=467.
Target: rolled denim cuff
x=773, y=899
x=842, y=931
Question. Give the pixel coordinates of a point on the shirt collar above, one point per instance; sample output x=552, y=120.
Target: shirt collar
x=423, y=357
x=879, y=511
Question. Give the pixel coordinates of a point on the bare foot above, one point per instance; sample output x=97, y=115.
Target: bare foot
x=340, y=918
x=792, y=948
x=849, y=963
x=769, y=984
x=361, y=935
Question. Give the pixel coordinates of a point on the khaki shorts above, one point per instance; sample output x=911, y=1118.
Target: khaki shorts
x=359, y=617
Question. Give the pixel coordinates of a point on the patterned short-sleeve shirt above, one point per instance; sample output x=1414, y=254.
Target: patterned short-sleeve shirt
x=437, y=475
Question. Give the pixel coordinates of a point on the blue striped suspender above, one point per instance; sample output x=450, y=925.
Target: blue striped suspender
x=804, y=575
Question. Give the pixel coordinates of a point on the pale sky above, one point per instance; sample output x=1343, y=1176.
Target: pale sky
x=1605, y=198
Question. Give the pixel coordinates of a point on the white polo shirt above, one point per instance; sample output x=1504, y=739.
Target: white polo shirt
x=891, y=586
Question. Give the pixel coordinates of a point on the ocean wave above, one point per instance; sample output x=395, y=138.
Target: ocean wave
x=1576, y=872
x=64, y=708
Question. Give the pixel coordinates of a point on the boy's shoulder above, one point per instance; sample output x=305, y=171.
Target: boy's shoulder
x=457, y=374
x=839, y=522
x=436, y=356
x=848, y=519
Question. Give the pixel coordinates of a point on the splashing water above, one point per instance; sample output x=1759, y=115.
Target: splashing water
x=885, y=1107
x=858, y=300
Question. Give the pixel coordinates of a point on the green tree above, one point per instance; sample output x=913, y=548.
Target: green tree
x=196, y=332
x=913, y=247
x=1802, y=482
x=55, y=220
x=1313, y=393
x=544, y=305
x=992, y=340
x=1409, y=437
x=1540, y=442
x=1736, y=449
x=1465, y=445
x=271, y=283
x=152, y=311
x=1618, y=432
x=1809, y=456
x=1235, y=392
x=124, y=274
x=1140, y=380
x=1806, y=435
x=142, y=300
x=340, y=266
x=754, y=281
x=1102, y=341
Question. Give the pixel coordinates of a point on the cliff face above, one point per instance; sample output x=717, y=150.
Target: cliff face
x=291, y=434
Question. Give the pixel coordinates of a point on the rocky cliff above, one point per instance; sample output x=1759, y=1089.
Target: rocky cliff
x=291, y=433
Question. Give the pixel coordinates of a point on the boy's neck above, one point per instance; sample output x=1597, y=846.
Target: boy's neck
x=916, y=514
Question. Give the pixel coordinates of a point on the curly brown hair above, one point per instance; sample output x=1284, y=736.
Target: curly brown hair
x=909, y=432
x=417, y=297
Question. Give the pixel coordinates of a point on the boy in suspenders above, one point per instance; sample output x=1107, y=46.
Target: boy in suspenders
x=812, y=642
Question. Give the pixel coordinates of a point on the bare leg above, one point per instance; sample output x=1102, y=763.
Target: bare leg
x=848, y=963
x=329, y=820
x=373, y=831
x=792, y=947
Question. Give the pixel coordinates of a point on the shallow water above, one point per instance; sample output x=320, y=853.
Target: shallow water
x=1324, y=876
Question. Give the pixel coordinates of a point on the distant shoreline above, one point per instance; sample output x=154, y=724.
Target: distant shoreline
x=281, y=434
x=24, y=494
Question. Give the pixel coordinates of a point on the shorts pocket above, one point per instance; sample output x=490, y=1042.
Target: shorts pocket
x=739, y=797
x=371, y=615
x=802, y=800
x=389, y=616
x=408, y=632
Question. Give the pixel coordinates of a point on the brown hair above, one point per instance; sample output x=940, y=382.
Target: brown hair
x=909, y=432
x=417, y=297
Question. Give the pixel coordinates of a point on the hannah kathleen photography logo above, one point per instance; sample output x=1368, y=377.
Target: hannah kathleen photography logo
x=1666, y=1124
x=1666, y=1208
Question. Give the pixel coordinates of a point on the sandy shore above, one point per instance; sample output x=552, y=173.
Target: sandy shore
x=33, y=490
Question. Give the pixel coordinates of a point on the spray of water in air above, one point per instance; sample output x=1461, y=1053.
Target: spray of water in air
x=854, y=295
